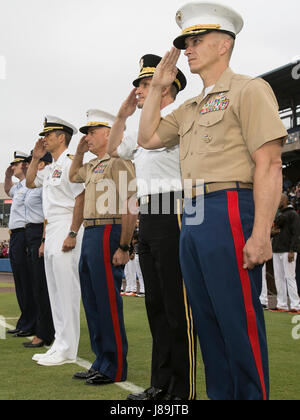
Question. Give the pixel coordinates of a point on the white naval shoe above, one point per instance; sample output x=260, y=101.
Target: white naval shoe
x=38, y=356
x=55, y=359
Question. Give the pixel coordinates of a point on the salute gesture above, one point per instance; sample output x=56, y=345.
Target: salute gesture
x=77, y=162
x=82, y=147
x=164, y=76
x=166, y=71
x=39, y=150
x=128, y=107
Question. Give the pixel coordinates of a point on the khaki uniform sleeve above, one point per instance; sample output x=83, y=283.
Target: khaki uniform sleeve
x=81, y=175
x=259, y=116
x=168, y=130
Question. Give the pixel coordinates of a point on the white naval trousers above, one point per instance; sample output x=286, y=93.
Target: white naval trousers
x=64, y=287
x=264, y=292
x=130, y=276
x=285, y=280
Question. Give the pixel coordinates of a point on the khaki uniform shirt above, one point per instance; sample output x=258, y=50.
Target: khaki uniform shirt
x=109, y=183
x=219, y=133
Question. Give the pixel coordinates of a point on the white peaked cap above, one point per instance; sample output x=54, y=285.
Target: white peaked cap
x=201, y=17
x=97, y=118
x=52, y=123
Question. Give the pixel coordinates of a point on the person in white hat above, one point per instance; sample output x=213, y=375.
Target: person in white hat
x=108, y=231
x=63, y=211
x=230, y=140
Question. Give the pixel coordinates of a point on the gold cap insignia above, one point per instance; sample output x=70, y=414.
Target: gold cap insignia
x=179, y=16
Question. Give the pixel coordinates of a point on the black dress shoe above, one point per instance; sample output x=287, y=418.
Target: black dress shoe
x=24, y=334
x=99, y=379
x=13, y=331
x=85, y=375
x=30, y=345
x=150, y=394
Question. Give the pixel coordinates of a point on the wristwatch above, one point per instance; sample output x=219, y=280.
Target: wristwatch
x=72, y=234
x=124, y=248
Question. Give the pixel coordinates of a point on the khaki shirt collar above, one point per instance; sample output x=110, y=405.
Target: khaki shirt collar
x=96, y=161
x=223, y=85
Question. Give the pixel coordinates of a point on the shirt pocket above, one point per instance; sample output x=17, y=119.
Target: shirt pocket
x=185, y=134
x=210, y=133
x=54, y=182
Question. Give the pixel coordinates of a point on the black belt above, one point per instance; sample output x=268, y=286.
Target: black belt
x=32, y=225
x=17, y=230
x=164, y=203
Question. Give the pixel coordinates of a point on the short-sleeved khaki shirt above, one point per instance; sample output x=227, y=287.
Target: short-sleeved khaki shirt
x=219, y=133
x=109, y=183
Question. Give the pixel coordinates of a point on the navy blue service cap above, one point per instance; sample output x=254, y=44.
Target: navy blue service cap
x=148, y=64
x=47, y=158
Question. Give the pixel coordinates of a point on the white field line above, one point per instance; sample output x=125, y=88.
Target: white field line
x=127, y=386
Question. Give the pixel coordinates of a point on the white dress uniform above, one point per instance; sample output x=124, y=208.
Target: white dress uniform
x=285, y=280
x=264, y=292
x=59, y=196
x=157, y=171
x=18, y=193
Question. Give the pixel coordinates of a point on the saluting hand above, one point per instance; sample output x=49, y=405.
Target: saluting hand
x=166, y=71
x=39, y=150
x=82, y=147
x=128, y=107
x=9, y=172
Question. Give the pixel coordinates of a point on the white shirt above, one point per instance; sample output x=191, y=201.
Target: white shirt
x=59, y=193
x=207, y=91
x=157, y=171
x=34, y=206
x=17, y=218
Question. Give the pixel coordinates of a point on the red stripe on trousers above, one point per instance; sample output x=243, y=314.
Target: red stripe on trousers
x=239, y=243
x=112, y=300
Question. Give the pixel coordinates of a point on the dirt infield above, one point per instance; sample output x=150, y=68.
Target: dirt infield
x=7, y=289
x=6, y=278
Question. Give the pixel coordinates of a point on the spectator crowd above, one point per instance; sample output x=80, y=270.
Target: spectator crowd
x=4, y=249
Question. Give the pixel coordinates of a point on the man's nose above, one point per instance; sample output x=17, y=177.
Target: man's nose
x=187, y=51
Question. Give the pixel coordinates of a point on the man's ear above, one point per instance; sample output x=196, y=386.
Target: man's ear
x=165, y=91
x=62, y=138
x=107, y=133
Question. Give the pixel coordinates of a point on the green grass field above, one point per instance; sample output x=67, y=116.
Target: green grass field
x=23, y=379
